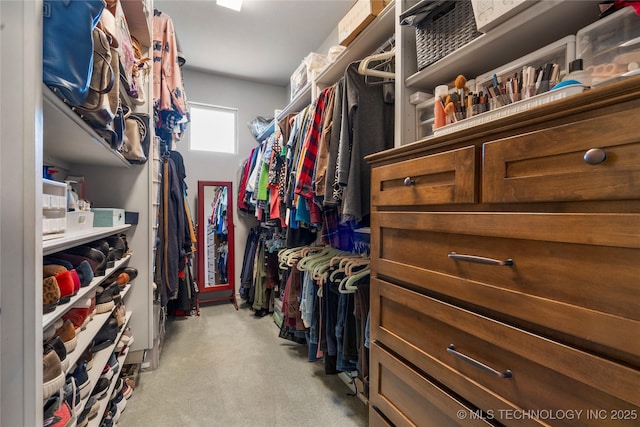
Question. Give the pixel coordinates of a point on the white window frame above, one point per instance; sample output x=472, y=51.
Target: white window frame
x=217, y=108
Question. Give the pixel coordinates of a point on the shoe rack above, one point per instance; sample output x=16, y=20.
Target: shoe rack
x=37, y=129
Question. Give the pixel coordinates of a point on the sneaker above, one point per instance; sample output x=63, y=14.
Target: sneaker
x=50, y=294
x=52, y=374
x=126, y=390
x=82, y=379
x=72, y=395
x=125, y=340
x=57, y=345
x=121, y=314
x=101, y=388
x=111, y=367
x=87, y=357
x=50, y=331
x=79, y=314
x=57, y=413
x=91, y=409
x=68, y=334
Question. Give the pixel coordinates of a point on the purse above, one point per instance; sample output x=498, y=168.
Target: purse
x=67, y=46
x=136, y=138
x=101, y=103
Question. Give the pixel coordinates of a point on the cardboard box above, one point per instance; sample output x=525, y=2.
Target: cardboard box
x=359, y=16
x=107, y=217
x=491, y=13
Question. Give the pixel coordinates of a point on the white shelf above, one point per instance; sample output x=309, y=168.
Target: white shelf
x=537, y=26
x=85, y=337
x=49, y=318
x=301, y=100
x=100, y=359
x=68, y=140
x=69, y=240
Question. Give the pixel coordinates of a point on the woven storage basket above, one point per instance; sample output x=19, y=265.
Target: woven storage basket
x=449, y=27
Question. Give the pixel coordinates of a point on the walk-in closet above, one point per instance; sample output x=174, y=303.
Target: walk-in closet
x=319, y=212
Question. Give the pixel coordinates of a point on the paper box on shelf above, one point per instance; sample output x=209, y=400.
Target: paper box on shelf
x=359, y=16
x=490, y=13
x=79, y=221
x=107, y=217
x=312, y=65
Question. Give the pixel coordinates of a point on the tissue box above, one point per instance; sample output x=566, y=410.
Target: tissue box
x=491, y=13
x=108, y=217
x=610, y=47
x=359, y=16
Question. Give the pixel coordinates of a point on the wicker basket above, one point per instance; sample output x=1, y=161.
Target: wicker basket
x=450, y=26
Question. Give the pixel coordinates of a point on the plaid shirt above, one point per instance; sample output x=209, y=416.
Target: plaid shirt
x=304, y=183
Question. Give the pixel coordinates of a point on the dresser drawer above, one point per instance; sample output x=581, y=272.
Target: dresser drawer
x=551, y=165
x=376, y=419
x=467, y=353
x=571, y=273
x=409, y=399
x=442, y=178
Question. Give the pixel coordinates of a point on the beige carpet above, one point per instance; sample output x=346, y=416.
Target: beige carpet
x=230, y=368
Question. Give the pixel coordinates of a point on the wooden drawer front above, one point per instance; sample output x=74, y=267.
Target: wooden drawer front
x=589, y=291
x=549, y=165
x=437, y=179
x=545, y=375
x=409, y=399
x=376, y=419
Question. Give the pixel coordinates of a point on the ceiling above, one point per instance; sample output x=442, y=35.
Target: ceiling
x=265, y=42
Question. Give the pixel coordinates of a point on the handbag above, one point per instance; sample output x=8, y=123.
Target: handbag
x=67, y=46
x=136, y=138
x=101, y=103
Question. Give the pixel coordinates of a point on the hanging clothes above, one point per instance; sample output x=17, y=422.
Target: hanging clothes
x=169, y=98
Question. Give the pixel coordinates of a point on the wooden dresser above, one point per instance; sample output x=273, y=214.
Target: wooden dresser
x=506, y=270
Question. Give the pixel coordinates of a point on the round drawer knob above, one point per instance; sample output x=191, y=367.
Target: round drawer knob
x=595, y=156
x=408, y=181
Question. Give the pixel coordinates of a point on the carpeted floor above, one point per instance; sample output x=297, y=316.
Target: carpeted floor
x=230, y=368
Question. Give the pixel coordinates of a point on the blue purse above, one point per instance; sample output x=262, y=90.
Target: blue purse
x=67, y=46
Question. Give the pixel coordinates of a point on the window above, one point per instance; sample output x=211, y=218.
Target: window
x=213, y=128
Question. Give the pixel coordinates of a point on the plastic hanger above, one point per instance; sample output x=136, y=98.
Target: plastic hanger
x=365, y=70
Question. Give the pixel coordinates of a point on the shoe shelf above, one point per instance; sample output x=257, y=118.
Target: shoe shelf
x=95, y=422
x=49, y=318
x=69, y=140
x=87, y=335
x=100, y=359
x=69, y=240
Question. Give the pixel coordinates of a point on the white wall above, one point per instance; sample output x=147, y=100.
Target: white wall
x=252, y=100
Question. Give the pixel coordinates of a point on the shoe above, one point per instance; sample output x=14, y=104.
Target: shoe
x=111, y=367
x=52, y=374
x=87, y=357
x=57, y=413
x=72, y=395
x=100, y=390
x=82, y=379
x=106, y=336
x=64, y=280
x=79, y=313
x=104, y=299
x=118, y=246
x=126, y=339
x=127, y=391
x=94, y=257
x=102, y=246
x=50, y=294
x=68, y=334
x=120, y=314
x=90, y=410
x=56, y=344
x=130, y=271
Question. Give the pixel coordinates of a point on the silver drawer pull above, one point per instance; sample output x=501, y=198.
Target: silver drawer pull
x=480, y=259
x=408, y=181
x=595, y=156
x=452, y=350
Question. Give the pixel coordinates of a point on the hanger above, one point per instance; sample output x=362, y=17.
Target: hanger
x=365, y=70
x=348, y=284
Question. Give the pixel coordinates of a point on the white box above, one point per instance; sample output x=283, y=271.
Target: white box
x=491, y=13
x=79, y=221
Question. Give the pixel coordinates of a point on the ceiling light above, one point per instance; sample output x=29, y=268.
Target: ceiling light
x=231, y=4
